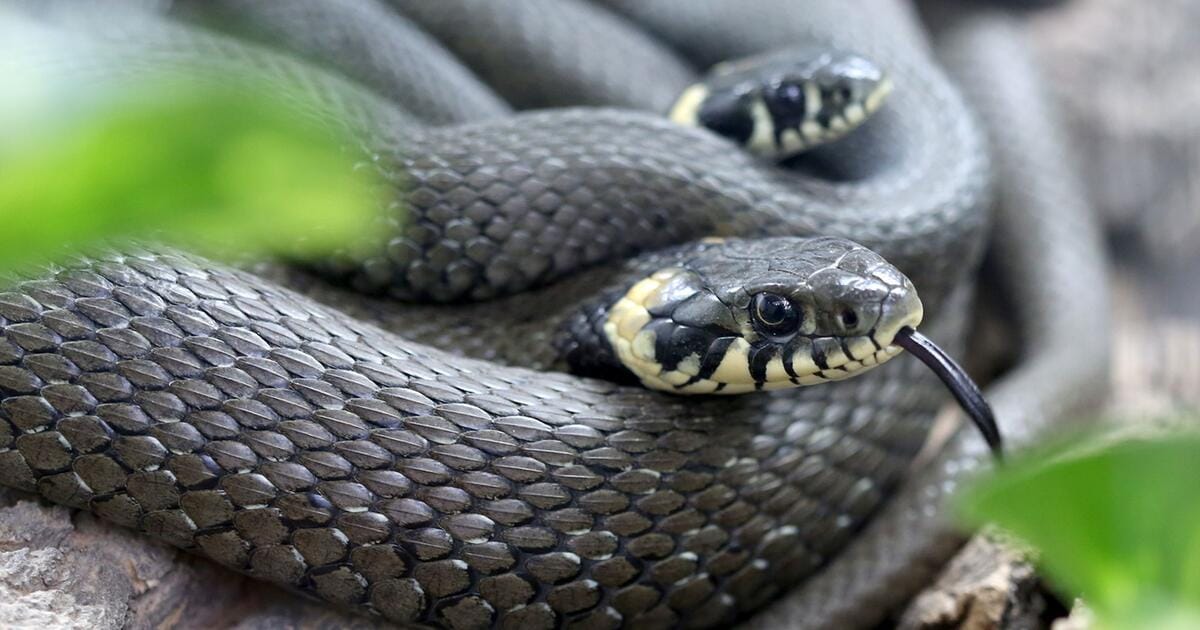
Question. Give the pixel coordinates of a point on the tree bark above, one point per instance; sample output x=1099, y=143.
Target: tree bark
x=61, y=568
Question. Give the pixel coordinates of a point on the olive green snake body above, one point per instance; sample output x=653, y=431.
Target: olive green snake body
x=280, y=437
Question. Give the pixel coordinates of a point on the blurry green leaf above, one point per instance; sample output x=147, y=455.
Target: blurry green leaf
x=1117, y=523
x=220, y=171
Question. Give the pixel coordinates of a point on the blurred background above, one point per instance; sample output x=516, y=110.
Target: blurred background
x=1127, y=79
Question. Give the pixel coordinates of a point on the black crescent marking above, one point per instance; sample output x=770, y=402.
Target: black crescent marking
x=818, y=356
x=759, y=357
x=846, y=349
x=789, y=353
x=716, y=353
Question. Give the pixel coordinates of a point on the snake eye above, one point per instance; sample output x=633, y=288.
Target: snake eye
x=849, y=318
x=790, y=94
x=774, y=316
x=788, y=99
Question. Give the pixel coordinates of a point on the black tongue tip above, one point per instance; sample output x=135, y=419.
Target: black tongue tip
x=964, y=389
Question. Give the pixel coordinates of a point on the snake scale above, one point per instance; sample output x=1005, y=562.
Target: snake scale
x=228, y=415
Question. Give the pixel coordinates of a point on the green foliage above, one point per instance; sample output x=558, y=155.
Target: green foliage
x=216, y=170
x=1118, y=523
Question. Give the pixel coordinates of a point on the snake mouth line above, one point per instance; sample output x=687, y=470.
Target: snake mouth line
x=965, y=391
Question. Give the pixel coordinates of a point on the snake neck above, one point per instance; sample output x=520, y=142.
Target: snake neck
x=545, y=329
x=583, y=345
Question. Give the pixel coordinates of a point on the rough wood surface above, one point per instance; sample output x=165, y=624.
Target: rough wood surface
x=64, y=569
x=987, y=585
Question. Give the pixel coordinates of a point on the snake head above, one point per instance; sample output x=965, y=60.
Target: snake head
x=785, y=103
x=737, y=316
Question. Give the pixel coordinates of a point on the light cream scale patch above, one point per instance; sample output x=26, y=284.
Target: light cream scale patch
x=762, y=139
x=855, y=367
x=881, y=91
x=687, y=107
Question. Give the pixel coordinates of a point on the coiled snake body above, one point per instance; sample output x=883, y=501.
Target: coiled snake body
x=230, y=416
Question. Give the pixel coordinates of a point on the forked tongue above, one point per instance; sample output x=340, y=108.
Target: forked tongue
x=964, y=389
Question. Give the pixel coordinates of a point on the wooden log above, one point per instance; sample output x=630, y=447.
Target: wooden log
x=61, y=568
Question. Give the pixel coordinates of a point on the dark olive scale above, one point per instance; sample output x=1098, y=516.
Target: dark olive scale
x=704, y=310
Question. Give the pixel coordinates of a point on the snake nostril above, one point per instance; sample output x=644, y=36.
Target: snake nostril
x=849, y=318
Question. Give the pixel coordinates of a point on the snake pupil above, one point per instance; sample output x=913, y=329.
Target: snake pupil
x=775, y=315
x=849, y=318
x=786, y=102
x=790, y=93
